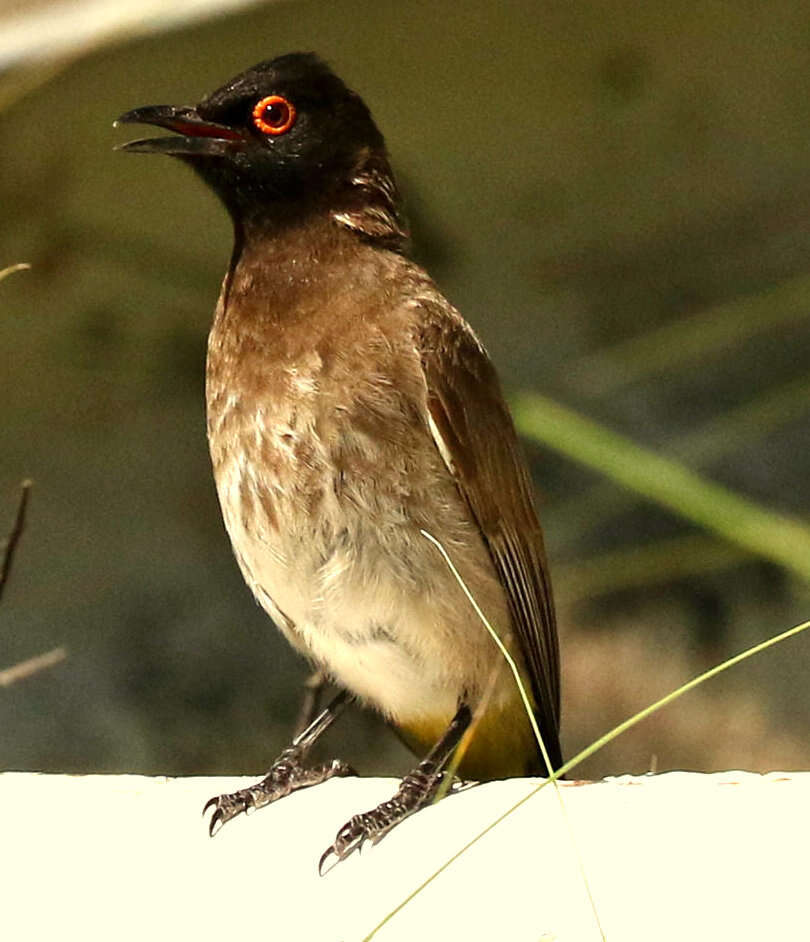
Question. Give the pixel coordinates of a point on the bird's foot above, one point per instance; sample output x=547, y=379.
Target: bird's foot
x=286, y=775
x=416, y=790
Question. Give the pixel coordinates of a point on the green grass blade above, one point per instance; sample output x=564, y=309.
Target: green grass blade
x=769, y=534
x=587, y=753
x=705, y=333
x=680, y=557
x=714, y=440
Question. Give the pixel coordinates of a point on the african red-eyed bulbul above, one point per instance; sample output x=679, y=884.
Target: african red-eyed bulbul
x=350, y=408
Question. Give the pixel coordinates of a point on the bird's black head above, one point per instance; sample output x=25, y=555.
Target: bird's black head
x=281, y=137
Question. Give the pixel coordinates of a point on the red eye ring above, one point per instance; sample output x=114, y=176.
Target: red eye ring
x=274, y=115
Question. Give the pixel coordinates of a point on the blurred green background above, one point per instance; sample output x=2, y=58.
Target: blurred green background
x=616, y=195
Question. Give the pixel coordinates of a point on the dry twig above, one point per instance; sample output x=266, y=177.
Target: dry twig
x=31, y=666
x=14, y=537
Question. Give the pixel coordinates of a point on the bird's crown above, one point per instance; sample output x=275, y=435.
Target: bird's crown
x=279, y=138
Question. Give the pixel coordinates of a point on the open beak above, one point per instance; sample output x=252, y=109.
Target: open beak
x=196, y=135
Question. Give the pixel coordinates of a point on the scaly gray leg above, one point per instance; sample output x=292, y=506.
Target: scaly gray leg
x=286, y=775
x=416, y=790
x=314, y=686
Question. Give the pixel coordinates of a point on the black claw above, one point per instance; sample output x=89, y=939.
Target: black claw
x=219, y=817
x=415, y=791
x=341, y=769
x=329, y=852
x=350, y=838
x=226, y=807
x=287, y=775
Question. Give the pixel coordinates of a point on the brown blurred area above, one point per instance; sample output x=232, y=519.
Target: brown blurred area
x=579, y=176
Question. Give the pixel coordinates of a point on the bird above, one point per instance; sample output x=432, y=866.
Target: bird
x=355, y=421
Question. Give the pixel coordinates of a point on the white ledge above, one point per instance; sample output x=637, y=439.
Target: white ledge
x=674, y=856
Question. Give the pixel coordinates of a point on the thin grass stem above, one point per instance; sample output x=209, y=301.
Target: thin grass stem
x=529, y=713
x=589, y=751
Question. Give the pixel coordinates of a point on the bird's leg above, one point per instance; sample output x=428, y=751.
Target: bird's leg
x=416, y=790
x=313, y=688
x=287, y=774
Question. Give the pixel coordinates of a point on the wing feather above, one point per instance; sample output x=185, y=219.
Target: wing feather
x=474, y=433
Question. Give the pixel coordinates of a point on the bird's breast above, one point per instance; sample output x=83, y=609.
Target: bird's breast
x=318, y=516
x=327, y=474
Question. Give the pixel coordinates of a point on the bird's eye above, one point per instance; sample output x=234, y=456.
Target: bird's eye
x=274, y=115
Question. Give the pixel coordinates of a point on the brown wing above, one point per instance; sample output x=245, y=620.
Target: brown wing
x=475, y=434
